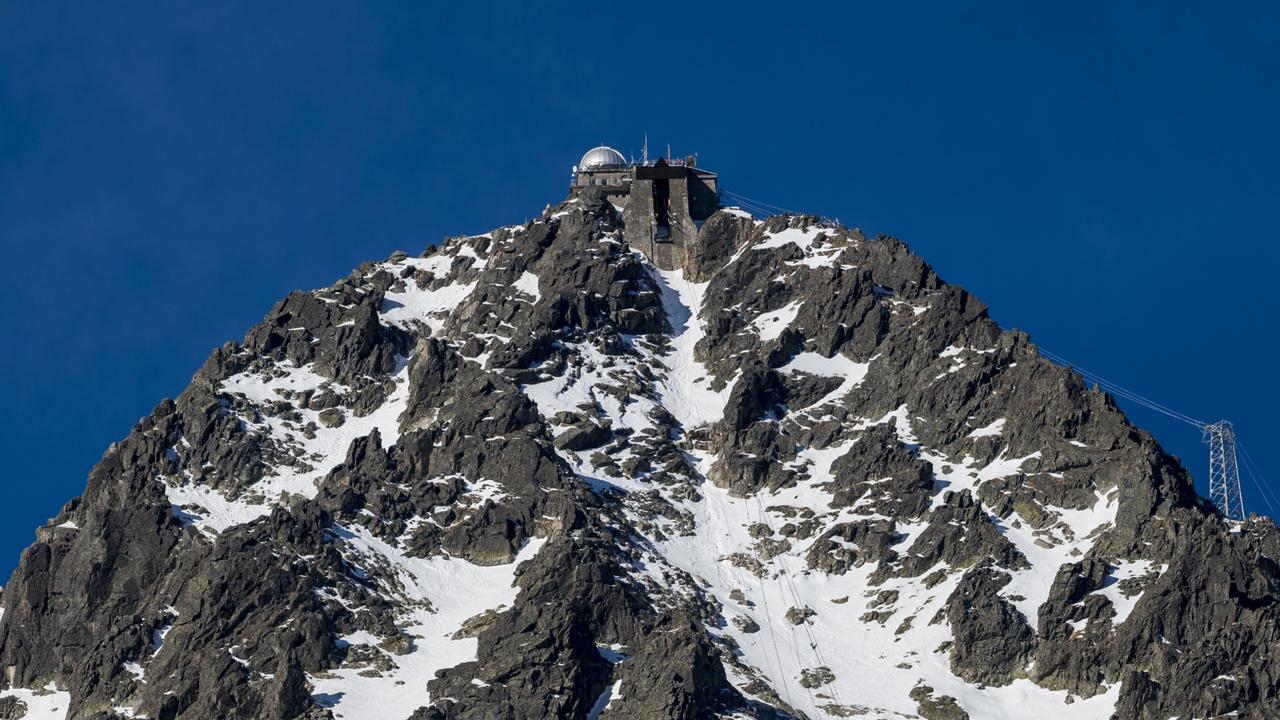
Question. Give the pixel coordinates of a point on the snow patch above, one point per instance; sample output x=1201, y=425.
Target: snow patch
x=418, y=306
x=1123, y=570
x=771, y=324
x=802, y=238
x=527, y=283
x=995, y=428
x=47, y=703
x=454, y=590
x=835, y=366
x=1034, y=583
x=137, y=671
x=212, y=512
x=684, y=390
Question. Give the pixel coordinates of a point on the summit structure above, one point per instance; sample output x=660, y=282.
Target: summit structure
x=751, y=469
x=663, y=202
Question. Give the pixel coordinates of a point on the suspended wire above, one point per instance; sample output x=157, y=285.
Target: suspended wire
x=759, y=203
x=1251, y=469
x=753, y=208
x=1120, y=391
x=1260, y=482
x=790, y=584
x=795, y=644
x=761, y=208
x=813, y=642
x=773, y=637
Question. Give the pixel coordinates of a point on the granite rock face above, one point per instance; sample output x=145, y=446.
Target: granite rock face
x=530, y=475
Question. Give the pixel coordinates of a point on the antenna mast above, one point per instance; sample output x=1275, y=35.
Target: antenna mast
x=1224, y=474
x=644, y=154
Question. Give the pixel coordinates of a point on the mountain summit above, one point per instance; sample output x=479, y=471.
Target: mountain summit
x=774, y=470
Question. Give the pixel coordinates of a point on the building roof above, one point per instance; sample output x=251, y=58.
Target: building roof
x=601, y=158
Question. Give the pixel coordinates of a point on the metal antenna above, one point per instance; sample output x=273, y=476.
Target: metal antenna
x=1224, y=474
x=644, y=156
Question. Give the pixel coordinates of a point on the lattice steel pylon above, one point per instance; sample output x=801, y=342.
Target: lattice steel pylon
x=1224, y=474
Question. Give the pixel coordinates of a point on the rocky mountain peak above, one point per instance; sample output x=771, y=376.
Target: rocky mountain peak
x=530, y=474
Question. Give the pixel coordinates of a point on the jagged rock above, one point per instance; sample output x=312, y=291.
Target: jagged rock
x=332, y=417
x=852, y=544
x=799, y=615
x=816, y=677
x=936, y=707
x=718, y=237
x=11, y=708
x=584, y=437
x=992, y=641
x=959, y=534
x=899, y=484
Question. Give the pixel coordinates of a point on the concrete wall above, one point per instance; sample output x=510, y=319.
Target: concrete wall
x=637, y=217
x=640, y=225
x=703, y=198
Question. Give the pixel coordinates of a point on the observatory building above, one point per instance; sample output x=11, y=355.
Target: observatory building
x=663, y=202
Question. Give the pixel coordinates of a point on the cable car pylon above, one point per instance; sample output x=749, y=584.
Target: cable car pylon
x=1224, y=469
x=1224, y=472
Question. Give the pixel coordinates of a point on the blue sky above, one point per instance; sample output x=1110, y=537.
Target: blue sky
x=1104, y=175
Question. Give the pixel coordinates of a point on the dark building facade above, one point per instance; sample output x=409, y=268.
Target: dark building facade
x=662, y=202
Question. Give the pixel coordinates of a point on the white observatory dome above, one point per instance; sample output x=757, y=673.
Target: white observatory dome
x=598, y=158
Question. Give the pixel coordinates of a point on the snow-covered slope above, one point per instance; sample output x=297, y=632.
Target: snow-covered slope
x=530, y=475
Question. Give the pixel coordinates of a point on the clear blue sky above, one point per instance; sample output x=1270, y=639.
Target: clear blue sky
x=1104, y=175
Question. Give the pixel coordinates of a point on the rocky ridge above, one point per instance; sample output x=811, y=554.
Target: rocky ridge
x=529, y=475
